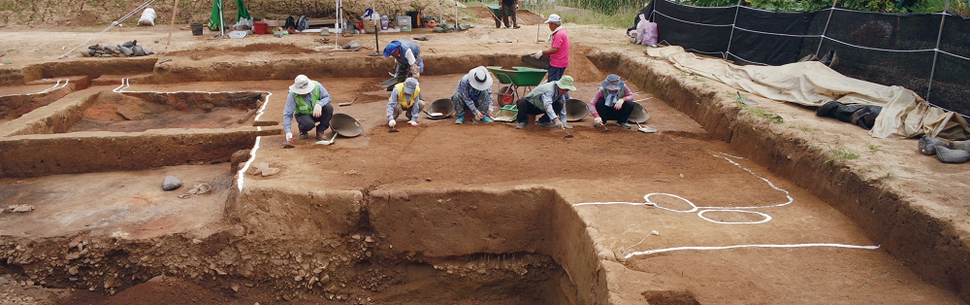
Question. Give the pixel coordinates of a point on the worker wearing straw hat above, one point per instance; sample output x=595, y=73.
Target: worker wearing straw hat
x=405, y=98
x=612, y=102
x=474, y=93
x=309, y=103
x=549, y=99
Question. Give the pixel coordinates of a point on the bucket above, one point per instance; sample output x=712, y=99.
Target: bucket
x=259, y=28
x=196, y=29
x=404, y=23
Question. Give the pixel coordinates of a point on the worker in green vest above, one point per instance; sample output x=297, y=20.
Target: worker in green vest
x=405, y=98
x=549, y=99
x=309, y=103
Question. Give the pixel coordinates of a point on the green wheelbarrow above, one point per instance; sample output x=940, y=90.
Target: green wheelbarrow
x=517, y=82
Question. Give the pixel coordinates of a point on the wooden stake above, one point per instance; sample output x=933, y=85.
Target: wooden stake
x=170, y=30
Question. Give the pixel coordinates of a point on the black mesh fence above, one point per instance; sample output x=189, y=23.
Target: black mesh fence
x=926, y=53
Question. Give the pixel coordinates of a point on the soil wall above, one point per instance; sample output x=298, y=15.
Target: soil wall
x=83, y=152
x=929, y=246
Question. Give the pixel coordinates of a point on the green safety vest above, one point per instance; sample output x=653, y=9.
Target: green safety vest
x=302, y=107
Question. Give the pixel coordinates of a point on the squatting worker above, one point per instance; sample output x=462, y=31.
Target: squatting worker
x=408, y=58
x=559, y=51
x=613, y=101
x=404, y=98
x=508, y=8
x=474, y=93
x=309, y=102
x=549, y=99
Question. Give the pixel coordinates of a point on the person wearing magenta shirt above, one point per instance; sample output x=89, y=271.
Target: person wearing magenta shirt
x=558, y=52
x=613, y=101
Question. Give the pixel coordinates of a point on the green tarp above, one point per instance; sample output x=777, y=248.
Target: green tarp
x=215, y=19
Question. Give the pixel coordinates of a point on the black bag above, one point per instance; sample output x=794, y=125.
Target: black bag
x=290, y=22
x=302, y=24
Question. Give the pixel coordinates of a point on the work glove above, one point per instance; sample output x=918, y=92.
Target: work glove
x=413, y=123
x=479, y=116
x=289, y=137
x=559, y=124
x=317, y=110
x=618, y=105
x=391, y=123
x=537, y=55
x=597, y=121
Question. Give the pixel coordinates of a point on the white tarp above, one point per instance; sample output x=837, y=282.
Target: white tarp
x=811, y=83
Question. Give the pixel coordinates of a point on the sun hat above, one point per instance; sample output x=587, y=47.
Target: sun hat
x=566, y=82
x=554, y=18
x=479, y=78
x=612, y=82
x=410, y=84
x=301, y=85
x=391, y=47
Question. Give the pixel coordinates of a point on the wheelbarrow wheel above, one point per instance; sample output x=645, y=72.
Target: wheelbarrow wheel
x=506, y=96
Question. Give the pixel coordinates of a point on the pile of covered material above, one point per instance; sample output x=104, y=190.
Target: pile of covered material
x=946, y=151
x=127, y=49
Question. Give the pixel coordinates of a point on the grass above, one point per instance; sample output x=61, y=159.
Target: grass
x=758, y=112
x=841, y=155
x=622, y=19
x=874, y=148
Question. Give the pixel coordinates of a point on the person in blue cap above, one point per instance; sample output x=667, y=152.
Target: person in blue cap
x=407, y=55
x=613, y=101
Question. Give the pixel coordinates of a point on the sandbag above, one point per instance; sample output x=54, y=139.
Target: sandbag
x=927, y=144
x=947, y=155
x=138, y=50
x=147, y=17
x=862, y=115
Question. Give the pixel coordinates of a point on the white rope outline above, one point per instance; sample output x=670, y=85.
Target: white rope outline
x=240, y=180
x=655, y=251
x=56, y=86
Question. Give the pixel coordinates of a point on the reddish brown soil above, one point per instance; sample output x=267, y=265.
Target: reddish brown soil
x=619, y=166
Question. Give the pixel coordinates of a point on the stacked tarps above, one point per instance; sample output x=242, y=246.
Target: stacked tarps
x=811, y=83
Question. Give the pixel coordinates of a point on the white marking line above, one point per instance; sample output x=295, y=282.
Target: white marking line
x=56, y=86
x=252, y=152
x=655, y=251
x=701, y=210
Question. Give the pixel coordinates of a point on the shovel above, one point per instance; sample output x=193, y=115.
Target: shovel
x=325, y=142
x=348, y=104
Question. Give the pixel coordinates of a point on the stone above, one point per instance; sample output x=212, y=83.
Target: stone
x=269, y=171
x=171, y=183
x=21, y=208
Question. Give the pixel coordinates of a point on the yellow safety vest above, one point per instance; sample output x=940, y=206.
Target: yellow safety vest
x=402, y=99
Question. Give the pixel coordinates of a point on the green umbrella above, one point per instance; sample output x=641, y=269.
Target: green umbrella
x=215, y=21
x=243, y=13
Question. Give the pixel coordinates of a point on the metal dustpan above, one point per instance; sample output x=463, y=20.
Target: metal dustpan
x=506, y=114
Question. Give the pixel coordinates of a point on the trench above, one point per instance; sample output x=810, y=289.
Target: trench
x=484, y=246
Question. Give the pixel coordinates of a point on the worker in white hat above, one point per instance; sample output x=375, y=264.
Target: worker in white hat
x=559, y=50
x=405, y=98
x=549, y=99
x=474, y=93
x=309, y=103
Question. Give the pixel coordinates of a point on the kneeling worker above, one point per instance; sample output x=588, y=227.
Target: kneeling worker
x=611, y=102
x=309, y=102
x=404, y=98
x=549, y=99
x=474, y=93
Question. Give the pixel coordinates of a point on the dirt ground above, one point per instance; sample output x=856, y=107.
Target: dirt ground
x=603, y=175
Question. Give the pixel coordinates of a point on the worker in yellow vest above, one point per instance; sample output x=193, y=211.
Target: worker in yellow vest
x=309, y=103
x=405, y=98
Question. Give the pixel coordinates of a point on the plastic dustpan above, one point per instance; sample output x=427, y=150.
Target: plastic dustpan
x=506, y=114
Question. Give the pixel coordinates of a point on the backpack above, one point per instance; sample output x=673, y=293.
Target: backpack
x=302, y=24
x=289, y=23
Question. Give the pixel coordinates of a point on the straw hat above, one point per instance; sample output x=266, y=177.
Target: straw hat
x=301, y=85
x=479, y=78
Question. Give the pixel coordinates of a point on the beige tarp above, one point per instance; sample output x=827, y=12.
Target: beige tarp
x=811, y=83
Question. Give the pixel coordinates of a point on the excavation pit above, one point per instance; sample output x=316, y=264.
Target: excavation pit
x=399, y=218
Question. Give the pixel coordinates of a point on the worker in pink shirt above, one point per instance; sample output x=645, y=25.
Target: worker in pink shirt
x=613, y=101
x=558, y=52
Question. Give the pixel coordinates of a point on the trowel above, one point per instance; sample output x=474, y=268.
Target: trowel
x=647, y=129
x=746, y=101
x=348, y=104
x=568, y=135
x=325, y=142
